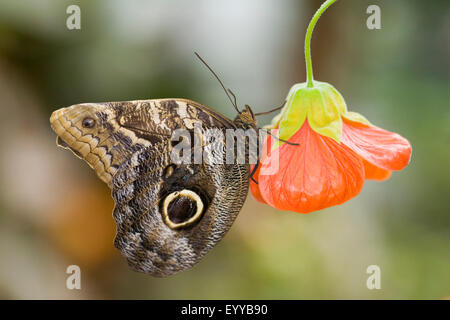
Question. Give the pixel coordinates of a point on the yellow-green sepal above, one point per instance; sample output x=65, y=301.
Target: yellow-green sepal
x=321, y=104
x=293, y=115
x=356, y=117
x=324, y=113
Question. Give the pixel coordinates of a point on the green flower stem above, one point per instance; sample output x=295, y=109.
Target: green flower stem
x=312, y=24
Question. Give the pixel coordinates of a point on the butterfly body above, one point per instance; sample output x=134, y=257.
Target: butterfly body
x=168, y=215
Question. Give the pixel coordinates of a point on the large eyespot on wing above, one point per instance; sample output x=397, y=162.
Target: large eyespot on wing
x=181, y=209
x=169, y=216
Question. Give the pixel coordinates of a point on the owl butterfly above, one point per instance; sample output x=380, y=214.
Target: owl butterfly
x=168, y=215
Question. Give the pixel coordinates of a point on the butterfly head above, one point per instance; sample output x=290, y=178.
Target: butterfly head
x=246, y=118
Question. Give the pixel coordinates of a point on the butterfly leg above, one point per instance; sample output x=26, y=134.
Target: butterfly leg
x=253, y=172
x=270, y=111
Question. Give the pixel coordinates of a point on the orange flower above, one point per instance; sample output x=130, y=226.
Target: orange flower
x=321, y=172
x=337, y=149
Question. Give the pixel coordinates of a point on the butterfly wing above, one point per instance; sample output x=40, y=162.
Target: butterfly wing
x=168, y=214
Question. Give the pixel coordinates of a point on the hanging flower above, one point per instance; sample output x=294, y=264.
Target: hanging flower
x=337, y=149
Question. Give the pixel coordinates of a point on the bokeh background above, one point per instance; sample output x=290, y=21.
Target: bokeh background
x=54, y=212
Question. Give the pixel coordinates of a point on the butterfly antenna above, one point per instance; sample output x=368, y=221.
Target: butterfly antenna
x=270, y=111
x=234, y=96
x=220, y=81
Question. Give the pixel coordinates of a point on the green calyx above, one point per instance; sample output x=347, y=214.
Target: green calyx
x=321, y=104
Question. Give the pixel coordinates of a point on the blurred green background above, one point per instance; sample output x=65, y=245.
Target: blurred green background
x=54, y=212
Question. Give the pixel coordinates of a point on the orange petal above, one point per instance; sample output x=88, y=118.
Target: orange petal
x=376, y=173
x=382, y=148
x=317, y=174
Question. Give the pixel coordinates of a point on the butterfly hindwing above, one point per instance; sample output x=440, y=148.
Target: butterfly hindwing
x=149, y=242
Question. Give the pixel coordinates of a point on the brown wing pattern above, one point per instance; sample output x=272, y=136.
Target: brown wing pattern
x=142, y=183
x=140, y=187
x=168, y=215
